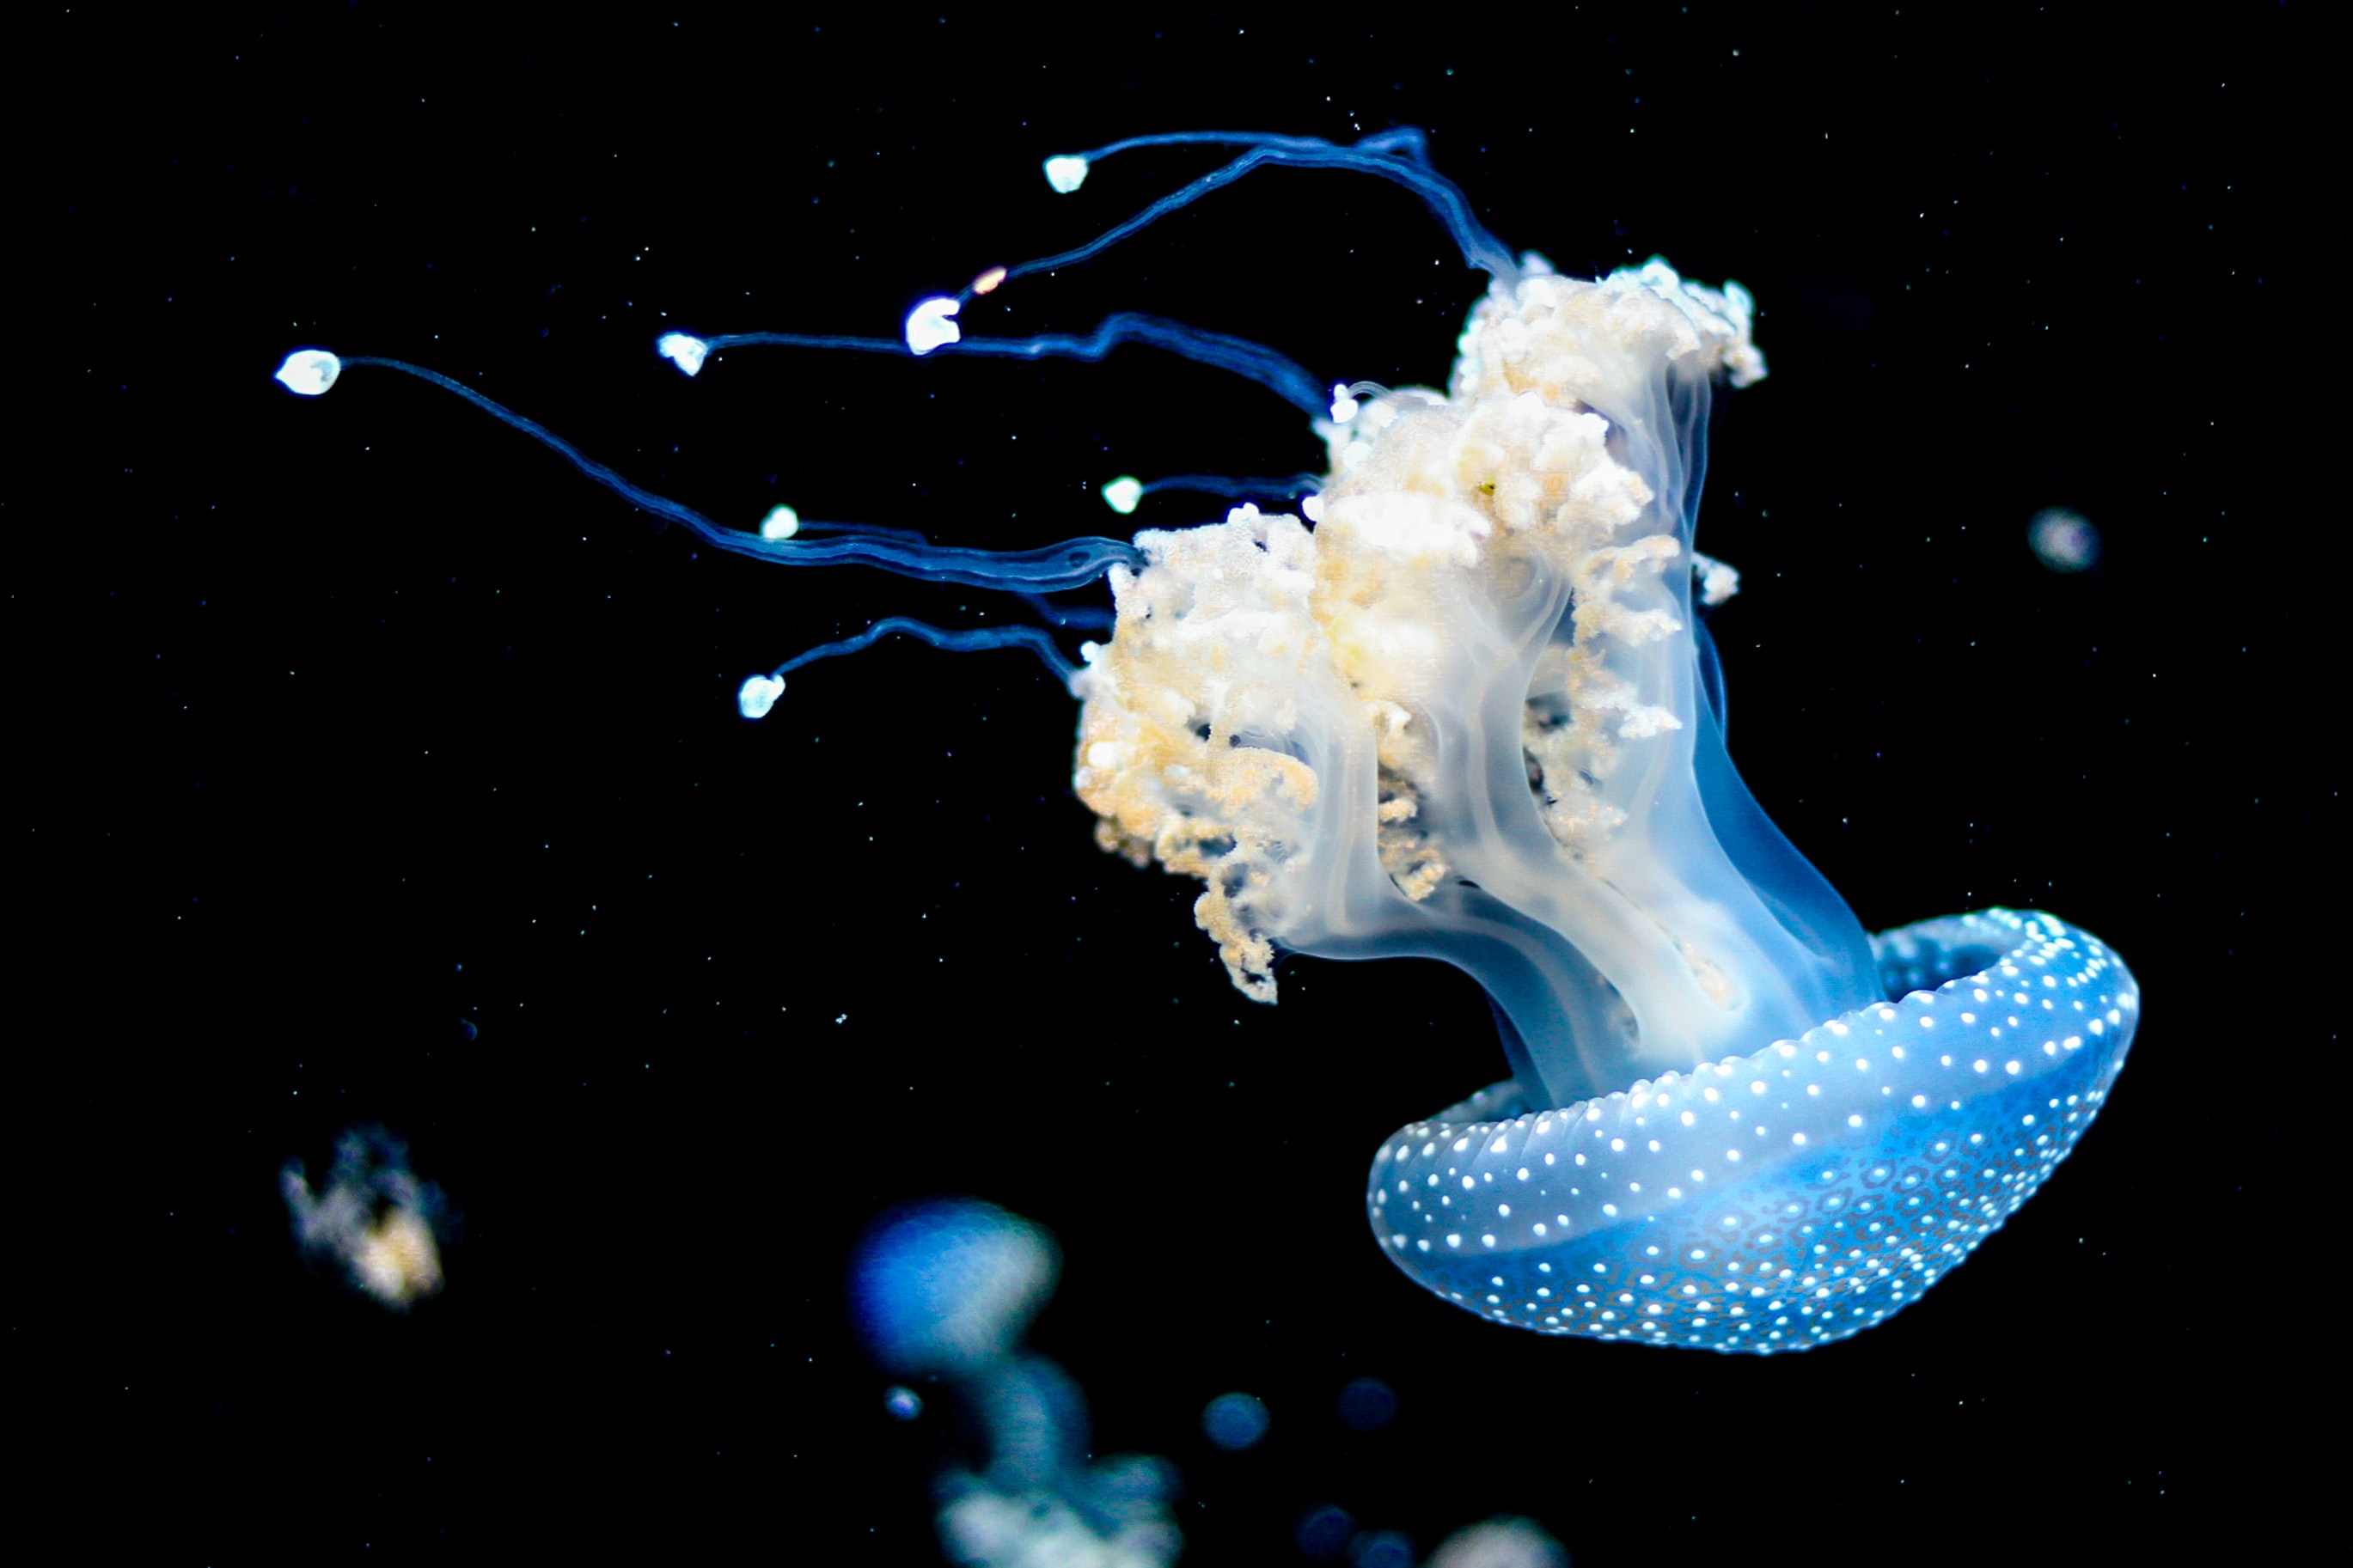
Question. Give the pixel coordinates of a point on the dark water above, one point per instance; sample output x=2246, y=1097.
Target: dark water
x=372, y=768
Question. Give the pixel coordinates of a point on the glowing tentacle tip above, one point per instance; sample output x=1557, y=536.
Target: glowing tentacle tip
x=1066, y=173
x=1123, y=494
x=928, y=326
x=759, y=694
x=782, y=522
x=1343, y=404
x=682, y=349
x=988, y=281
x=309, y=371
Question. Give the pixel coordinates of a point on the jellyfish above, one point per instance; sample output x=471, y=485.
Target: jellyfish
x=1462, y=704
x=945, y=1290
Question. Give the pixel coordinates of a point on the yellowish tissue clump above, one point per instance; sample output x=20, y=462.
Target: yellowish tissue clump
x=396, y=1260
x=1273, y=698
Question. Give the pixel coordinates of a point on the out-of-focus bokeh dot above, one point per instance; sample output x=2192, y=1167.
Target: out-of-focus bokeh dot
x=1325, y=1533
x=2064, y=541
x=1235, y=1421
x=1367, y=1404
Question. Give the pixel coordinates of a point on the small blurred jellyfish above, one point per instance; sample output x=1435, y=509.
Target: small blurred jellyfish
x=1499, y=1543
x=373, y=1219
x=1235, y=1421
x=1463, y=704
x=2064, y=541
x=946, y=1291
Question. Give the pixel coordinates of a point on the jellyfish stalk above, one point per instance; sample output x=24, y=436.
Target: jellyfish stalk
x=1465, y=716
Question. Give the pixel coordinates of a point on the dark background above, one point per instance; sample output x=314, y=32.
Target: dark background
x=340, y=725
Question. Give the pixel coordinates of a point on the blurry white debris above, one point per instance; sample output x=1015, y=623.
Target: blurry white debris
x=1499, y=1543
x=373, y=1218
x=982, y=1527
x=2064, y=541
x=1717, y=582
